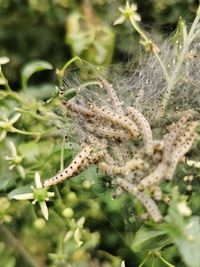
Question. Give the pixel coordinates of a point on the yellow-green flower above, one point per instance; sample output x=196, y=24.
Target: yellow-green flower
x=15, y=160
x=39, y=194
x=7, y=125
x=128, y=12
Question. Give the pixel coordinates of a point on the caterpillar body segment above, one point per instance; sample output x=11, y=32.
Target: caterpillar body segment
x=110, y=133
x=178, y=154
x=154, y=178
x=135, y=164
x=158, y=145
x=112, y=95
x=115, y=118
x=146, y=201
x=111, y=169
x=156, y=191
x=192, y=163
x=144, y=128
x=185, y=134
x=173, y=135
x=78, y=108
x=75, y=166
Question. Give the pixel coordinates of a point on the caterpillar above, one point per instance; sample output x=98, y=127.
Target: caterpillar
x=111, y=169
x=122, y=121
x=185, y=134
x=172, y=136
x=157, y=193
x=192, y=163
x=112, y=95
x=78, y=108
x=146, y=201
x=178, y=154
x=109, y=133
x=77, y=164
x=144, y=128
x=156, y=176
x=136, y=164
x=158, y=145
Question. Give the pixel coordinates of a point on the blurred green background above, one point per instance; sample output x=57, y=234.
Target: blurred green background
x=56, y=30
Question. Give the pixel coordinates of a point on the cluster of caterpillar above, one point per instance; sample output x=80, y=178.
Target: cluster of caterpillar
x=176, y=144
x=113, y=142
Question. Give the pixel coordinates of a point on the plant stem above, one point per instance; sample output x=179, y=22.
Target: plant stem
x=35, y=116
x=163, y=260
x=62, y=155
x=143, y=262
x=25, y=132
x=31, y=261
x=173, y=78
x=61, y=72
x=146, y=39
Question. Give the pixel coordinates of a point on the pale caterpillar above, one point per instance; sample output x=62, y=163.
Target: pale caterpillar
x=155, y=177
x=147, y=202
x=112, y=95
x=77, y=164
x=78, y=108
x=112, y=169
x=172, y=136
x=192, y=163
x=158, y=145
x=134, y=164
x=178, y=154
x=114, y=133
x=144, y=128
x=156, y=191
x=185, y=134
x=109, y=133
x=120, y=120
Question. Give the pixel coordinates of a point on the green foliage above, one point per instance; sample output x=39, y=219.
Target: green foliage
x=86, y=227
x=31, y=68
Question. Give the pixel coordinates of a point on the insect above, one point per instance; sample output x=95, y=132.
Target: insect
x=112, y=141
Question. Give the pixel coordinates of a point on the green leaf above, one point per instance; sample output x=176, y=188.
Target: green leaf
x=185, y=232
x=91, y=41
x=187, y=240
x=6, y=182
x=19, y=191
x=31, y=68
x=148, y=239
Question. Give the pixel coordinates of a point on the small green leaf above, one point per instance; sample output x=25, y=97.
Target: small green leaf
x=149, y=239
x=31, y=68
x=70, y=94
x=19, y=191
